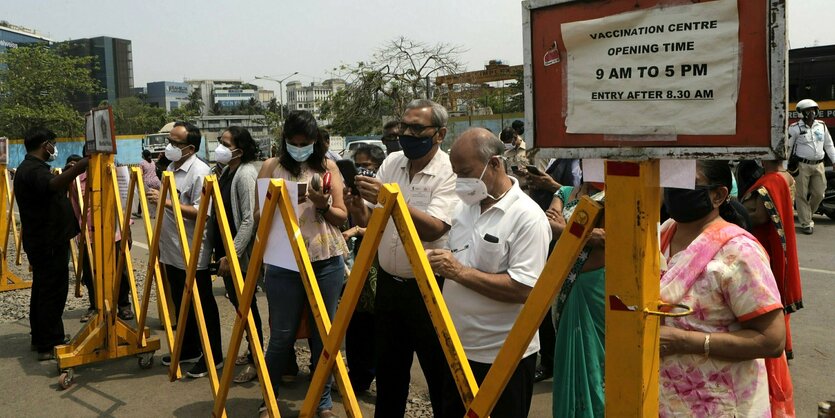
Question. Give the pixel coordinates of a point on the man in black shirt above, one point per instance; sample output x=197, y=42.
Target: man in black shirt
x=47, y=225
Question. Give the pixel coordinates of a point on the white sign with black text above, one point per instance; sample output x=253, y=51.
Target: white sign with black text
x=669, y=70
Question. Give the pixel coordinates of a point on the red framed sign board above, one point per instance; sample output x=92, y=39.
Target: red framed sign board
x=638, y=79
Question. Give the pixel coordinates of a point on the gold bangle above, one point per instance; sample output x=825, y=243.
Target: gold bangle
x=707, y=345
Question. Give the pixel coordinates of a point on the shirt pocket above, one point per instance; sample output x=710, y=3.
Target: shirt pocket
x=489, y=256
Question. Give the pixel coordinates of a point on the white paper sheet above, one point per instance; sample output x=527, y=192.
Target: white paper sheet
x=123, y=179
x=593, y=170
x=279, y=252
x=678, y=173
x=673, y=173
x=668, y=70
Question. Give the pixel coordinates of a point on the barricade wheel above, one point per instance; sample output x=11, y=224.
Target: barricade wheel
x=66, y=378
x=146, y=360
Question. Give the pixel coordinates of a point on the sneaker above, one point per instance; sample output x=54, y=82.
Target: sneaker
x=808, y=230
x=200, y=369
x=87, y=315
x=125, y=313
x=166, y=360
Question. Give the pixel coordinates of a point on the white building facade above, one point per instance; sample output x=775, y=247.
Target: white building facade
x=311, y=97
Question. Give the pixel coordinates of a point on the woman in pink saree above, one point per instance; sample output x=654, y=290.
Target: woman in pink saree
x=712, y=360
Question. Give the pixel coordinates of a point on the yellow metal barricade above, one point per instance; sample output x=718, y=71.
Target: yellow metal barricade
x=479, y=401
x=393, y=206
x=8, y=279
x=562, y=259
x=277, y=198
x=211, y=195
x=105, y=336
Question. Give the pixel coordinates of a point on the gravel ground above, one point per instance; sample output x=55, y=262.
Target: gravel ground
x=14, y=306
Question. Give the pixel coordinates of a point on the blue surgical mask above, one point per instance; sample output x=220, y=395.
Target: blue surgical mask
x=300, y=154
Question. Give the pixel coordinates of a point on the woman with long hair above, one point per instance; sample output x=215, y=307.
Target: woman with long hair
x=321, y=212
x=768, y=199
x=237, y=151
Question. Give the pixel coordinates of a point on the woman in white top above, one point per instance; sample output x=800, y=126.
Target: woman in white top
x=320, y=213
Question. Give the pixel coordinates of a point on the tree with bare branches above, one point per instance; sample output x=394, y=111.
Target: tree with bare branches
x=401, y=70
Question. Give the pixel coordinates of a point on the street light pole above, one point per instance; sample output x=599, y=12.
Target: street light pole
x=280, y=91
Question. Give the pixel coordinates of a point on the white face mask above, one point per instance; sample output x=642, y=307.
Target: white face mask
x=470, y=190
x=54, y=154
x=173, y=153
x=508, y=146
x=223, y=154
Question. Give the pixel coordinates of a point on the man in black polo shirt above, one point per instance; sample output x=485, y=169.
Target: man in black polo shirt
x=47, y=223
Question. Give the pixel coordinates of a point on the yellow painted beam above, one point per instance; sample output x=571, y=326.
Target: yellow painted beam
x=191, y=296
x=153, y=275
x=244, y=308
x=562, y=259
x=632, y=285
x=347, y=304
x=8, y=280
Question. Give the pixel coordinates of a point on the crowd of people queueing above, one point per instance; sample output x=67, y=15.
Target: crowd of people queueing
x=488, y=222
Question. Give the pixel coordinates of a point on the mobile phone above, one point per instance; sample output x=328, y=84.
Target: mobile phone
x=533, y=170
x=302, y=190
x=213, y=268
x=349, y=170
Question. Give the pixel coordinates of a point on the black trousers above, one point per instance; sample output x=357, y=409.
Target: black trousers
x=191, y=338
x=359, y=346
x=50, y=284
x=403, y=329
x=256, y=316
x=87, y=279
x=547, y=341
x=514, y=402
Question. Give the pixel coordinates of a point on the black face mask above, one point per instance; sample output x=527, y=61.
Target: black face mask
x=416, y=147
x=685, y=205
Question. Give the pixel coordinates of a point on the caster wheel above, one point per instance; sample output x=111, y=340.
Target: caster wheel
x=66, y=378
x=146, y=360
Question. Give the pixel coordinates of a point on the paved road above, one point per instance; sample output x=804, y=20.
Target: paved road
x=120, y=388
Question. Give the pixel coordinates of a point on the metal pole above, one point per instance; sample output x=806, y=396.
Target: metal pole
x=280, y=100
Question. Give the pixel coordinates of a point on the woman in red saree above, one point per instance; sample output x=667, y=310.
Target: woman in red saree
x=769, y=204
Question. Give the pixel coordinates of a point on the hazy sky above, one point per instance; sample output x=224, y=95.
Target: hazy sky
x=223, y=39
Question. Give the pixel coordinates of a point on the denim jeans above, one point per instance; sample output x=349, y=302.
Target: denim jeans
x=286, y=297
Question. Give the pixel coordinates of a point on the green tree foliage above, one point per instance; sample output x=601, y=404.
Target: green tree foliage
x=36, y=84
x=133, y=116
x=195, y=102
x=383, y=86
x=515, y=95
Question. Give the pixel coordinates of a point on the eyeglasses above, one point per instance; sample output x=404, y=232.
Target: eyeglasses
x=177, y=143
x=415, y=128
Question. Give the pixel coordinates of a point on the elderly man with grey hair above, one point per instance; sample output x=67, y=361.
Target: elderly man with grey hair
x=499, y=244
x=403, y=326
